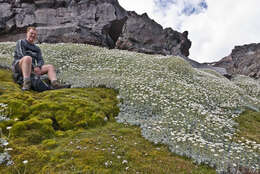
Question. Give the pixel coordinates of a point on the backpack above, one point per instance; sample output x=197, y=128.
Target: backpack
x=18, y=78
x=37, y=84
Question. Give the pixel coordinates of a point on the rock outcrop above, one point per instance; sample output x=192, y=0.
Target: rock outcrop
x=142, y=34
x=63, y=20
x=243, y=60
x=96, y=22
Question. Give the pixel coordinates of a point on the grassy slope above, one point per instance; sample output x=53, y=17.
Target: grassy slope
x=101, y=147
x=184, y=100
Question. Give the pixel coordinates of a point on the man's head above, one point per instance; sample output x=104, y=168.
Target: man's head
x=31, y=34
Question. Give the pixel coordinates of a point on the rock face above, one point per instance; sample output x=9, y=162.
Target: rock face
x=96, y=22
x=142, y=34
x=86, y=21
x=243, y=60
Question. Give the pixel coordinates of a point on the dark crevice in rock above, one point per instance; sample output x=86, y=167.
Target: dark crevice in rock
x=27, y=1
x=115, y=30
x=51, y=4
x=61, y=4
x=2, y=26
x=96, y=18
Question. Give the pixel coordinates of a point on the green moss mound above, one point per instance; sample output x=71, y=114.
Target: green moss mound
x=33, y=129
x=41, y=114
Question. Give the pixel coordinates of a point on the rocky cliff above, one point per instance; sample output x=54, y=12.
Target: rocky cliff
x=243, y=60
x=96, y=22
x=142, y=34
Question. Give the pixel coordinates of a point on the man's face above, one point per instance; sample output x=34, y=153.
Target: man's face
x=31, y=36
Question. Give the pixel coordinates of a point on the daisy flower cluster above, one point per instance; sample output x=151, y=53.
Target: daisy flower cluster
x=3, y=112
x=5, y=157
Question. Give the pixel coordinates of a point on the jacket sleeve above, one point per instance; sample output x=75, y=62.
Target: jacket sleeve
x=20, y=51
x=40, y=60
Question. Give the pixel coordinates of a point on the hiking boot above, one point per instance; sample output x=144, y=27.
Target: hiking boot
x=26, y=85
x=56, y=85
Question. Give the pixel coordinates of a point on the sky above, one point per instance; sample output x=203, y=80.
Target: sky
x=215, y=26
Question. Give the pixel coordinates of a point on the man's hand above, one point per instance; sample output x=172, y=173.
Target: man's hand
x=37, y=70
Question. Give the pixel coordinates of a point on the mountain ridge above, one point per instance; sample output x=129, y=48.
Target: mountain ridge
x=243, y=59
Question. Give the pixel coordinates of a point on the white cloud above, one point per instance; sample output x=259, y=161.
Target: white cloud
x=214, y=31
x=139, y=6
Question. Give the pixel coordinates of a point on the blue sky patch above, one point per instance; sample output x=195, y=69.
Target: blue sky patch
x=187, y=8
x=190, y=9
x=203, y=4
x=164, y=3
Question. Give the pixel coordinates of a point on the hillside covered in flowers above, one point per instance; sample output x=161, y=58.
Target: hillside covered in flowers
x=192, y=111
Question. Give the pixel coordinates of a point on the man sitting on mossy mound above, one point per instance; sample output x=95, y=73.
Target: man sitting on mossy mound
x=28, y=59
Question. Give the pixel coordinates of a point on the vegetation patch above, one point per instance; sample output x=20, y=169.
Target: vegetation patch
x=190, y=110
x=74, y=131
x=249, y=127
